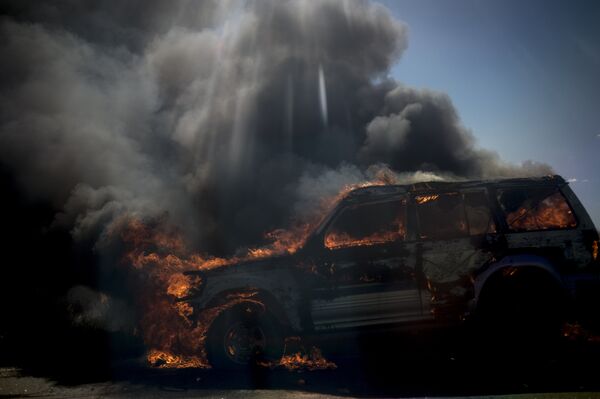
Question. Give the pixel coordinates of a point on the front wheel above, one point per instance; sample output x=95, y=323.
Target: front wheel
x=243, y=336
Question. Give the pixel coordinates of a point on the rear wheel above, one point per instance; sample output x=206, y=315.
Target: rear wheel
x=521, y=317
x=244, y=336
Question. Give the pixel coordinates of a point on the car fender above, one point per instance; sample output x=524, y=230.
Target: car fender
x=278, y=290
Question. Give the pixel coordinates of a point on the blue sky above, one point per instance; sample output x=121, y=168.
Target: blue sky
x=523, y=75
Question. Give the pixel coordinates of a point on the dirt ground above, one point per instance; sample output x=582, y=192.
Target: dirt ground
x=572, y=372
x=13, y=383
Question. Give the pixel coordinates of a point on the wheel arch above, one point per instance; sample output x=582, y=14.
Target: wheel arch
x=270, y=301
x=517, y=266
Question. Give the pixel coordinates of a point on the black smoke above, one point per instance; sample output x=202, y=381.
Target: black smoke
x=228, y=118
x=212, y=112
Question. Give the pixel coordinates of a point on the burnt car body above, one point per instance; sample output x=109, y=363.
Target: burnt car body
x=426, y=254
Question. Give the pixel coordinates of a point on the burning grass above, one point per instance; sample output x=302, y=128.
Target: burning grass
x=296, y=357
x=576, y=332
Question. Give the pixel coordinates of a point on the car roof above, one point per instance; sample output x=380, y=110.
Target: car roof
x=376, y=192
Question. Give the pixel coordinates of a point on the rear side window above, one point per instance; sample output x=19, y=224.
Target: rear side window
x=441, y=216
x=454, y=215
x=535, y=209
x=368, y=224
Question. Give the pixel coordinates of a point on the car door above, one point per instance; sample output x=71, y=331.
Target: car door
x=368, y=268
x=456, y=232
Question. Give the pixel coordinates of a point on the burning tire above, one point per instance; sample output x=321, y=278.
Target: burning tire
x=244, y=336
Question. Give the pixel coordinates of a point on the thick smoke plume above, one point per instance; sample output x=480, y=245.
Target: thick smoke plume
x=225, y=118
x=213, y=112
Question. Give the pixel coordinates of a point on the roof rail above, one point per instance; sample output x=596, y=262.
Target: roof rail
x=391, y=189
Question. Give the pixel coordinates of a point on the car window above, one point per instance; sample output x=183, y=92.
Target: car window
x=368, y=224
x=441, y=216
x=535, y=209
x=479, y=216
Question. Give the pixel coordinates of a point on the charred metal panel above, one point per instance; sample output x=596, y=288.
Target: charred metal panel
x=367, y=286
x=450, y=261
x=280, y=283
x=448, y=267
x=367, y=309
x=569, y=244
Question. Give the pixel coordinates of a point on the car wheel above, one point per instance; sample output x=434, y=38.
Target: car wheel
x=521, y=319
x=243, y=336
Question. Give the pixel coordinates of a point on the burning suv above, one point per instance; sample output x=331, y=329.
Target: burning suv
x=426, y=254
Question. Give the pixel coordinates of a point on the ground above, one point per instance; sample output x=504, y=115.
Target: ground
x=410, y=371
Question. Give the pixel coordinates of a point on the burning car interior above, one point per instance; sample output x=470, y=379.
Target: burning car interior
x=226, y=198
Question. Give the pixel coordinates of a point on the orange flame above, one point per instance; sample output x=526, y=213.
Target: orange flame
x=552, y=212
x=339, y=240
x=314, y=360
x=422, y=199
x=300, y=359
x=170, y=328
x=173, y=330
x=168, y=360
x=576, y=332
x=336, y=239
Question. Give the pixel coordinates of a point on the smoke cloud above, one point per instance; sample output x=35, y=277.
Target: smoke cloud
x=229, y=118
